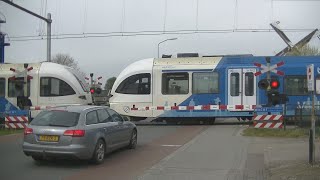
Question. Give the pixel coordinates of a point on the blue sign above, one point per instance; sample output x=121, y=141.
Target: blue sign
x=269, y=109
x=17, y=113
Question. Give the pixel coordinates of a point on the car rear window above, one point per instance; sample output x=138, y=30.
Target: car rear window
x=56, y=118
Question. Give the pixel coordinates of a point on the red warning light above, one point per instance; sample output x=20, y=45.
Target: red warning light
x=92, y=90
x=274, y=84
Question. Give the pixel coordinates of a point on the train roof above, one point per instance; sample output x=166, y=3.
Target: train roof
x=186, y=61
x=36, y=66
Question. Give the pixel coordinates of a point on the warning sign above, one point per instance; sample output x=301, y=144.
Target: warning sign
x=310, y=77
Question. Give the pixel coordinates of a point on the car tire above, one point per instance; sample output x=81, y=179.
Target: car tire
x=37, y=158
x=99, y=152
x=133, y=139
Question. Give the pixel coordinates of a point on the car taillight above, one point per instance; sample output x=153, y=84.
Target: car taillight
x=28, y=131
x=74, y=133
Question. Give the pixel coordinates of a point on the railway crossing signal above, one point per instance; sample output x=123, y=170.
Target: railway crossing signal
x=264, y=84
x=23, y=101
x=94, y=87
x=271, y=85
x=269, y=68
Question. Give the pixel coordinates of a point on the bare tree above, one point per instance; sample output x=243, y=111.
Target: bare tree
x=109, y=83
x=65, y=59
x=306, y=50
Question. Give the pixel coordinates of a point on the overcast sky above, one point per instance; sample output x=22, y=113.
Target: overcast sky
x=105, y=36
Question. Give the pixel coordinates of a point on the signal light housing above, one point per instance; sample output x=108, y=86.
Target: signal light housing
x=98, y=90
x=263, y=84
x=95, y=90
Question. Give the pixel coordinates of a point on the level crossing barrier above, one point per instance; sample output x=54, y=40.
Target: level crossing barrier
x=17, y=119
x=268, y=117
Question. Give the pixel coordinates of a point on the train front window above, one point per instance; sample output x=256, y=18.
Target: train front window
x=50, y=86
x=295, y=85
x=80, y=78
x=136, y=84
x=175, y=83
x=2, y=87
x=205, y=82
x=16, y=87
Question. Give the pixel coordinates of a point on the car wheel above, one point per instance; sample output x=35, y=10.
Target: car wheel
x=99, y=152
x=133, y=140
x=37, y=158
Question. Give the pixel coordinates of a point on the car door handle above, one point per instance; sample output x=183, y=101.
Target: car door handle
x=105, y=129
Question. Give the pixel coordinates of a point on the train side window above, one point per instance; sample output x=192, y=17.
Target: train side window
x=136, y=84
x=205, y=82
x=50, y=86
x=175, y=83
x=2, y=87
x=234, y=84
x=16, y=87
x=295, y=85
x=249, y=84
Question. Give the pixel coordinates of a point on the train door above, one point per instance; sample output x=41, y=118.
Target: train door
x=242, y=87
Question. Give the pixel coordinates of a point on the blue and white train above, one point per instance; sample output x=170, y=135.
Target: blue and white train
x=210, y=87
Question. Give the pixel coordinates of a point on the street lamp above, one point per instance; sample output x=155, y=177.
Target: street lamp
x=171, y=39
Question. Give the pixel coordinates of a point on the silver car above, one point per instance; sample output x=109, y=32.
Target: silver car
x=82, y=132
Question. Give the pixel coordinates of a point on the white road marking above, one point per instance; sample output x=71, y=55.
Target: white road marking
x=171, y=145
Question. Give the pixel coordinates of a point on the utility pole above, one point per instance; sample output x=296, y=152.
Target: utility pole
x=310, y=79
x=2, y=43
x=47, y=20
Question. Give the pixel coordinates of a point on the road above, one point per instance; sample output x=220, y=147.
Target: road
x=175, y=152
x=15, y=165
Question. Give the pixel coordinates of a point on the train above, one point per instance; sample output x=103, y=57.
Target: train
x=44, y=84
x=210, y=87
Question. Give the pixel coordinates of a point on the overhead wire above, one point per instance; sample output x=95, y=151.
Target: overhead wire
x=85, y=15
x=197, y=15
x=146, y=33
x=40, y=21
x=235, y=20
x=122, y=32
x=123, y=15
x=165, y=15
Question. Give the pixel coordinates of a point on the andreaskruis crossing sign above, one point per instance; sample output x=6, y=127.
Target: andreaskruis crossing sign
x=272, y=68
x=310, y=77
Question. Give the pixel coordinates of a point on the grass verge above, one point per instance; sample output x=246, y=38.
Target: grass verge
x=10, y=131
x=288, y=133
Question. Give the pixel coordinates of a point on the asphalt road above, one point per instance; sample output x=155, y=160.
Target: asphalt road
x=154, y=143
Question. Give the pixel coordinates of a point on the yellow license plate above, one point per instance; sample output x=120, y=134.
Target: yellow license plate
x=49, y=138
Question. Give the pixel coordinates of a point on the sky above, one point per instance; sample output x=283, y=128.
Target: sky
x=105, y=36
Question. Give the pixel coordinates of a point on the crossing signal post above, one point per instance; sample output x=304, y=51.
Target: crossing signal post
x=271, y=84
x=310, y=78
x=94, y=87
